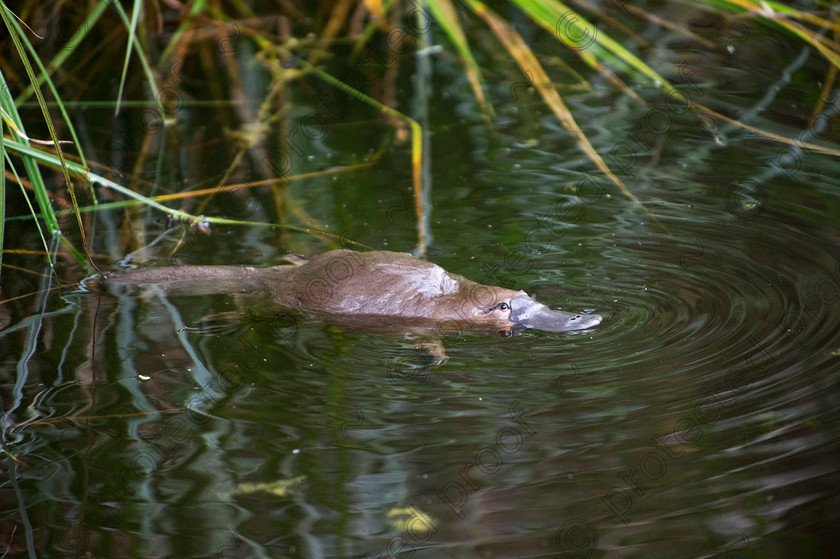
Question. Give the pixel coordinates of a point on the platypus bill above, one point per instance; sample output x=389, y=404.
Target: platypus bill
x=377, y=290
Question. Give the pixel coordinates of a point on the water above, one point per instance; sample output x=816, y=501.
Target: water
x=698, y=420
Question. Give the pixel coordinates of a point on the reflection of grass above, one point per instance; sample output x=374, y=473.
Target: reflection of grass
x=582, y=31
x=279, y=488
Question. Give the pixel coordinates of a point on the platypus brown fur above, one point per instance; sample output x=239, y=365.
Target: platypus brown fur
x=379, y=288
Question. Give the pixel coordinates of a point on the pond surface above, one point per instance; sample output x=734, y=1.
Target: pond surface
x=700, y=419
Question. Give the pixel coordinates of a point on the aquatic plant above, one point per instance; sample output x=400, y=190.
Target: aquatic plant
x=56, y=54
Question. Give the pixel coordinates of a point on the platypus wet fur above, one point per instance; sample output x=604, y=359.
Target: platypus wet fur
x=378, y=288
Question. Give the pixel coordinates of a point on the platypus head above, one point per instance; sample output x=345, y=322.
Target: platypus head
x=527, y=313
x=516, y=310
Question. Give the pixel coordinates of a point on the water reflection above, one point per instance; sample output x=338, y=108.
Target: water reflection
x=698, y=419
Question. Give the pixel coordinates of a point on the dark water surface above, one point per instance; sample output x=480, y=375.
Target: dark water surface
x=700, y=419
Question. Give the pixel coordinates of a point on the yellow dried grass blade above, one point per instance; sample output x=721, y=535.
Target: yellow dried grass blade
x=549, y=13
x=526, y=60
x=777, y=14
x=446, y=16
x=770, y=135
x=416, y=143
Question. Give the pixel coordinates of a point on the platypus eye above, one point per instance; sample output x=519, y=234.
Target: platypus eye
x=503, y=306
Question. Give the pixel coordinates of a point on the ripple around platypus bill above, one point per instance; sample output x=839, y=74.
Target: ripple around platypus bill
x=685, y=308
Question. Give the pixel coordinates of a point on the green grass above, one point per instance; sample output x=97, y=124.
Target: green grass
x=598, y=42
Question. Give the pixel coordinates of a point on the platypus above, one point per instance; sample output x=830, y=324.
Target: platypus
x=378, y=289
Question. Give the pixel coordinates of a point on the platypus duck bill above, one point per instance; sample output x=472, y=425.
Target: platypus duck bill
x=527, y=313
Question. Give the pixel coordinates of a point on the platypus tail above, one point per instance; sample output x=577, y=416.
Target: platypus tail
x=193, y=280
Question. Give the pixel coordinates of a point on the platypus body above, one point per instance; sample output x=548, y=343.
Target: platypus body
x=379, y=289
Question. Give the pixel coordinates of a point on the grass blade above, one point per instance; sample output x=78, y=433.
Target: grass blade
x=526, y=60
x=779, y=15
x=29, y=205
x=177, y=215
x=32, y=171
x=550, y=14
x=40, y=190
x=2, y=197
x=416, y=133
x=132, y=30
x=444, y=13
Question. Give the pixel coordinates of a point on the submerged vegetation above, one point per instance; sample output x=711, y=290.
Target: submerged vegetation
x=340, y=56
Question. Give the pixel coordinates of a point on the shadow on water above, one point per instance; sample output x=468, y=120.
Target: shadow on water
x=699, y=419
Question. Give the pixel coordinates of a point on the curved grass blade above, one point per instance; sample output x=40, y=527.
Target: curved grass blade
x=28, y=203
x=67, y=49
x=132, y=30
x=526, y=60
x=2, y=198
x=444, y=13
x=416, y=139
x=44, y=78
x=550, y=14
x=8, y=105
x=16, y=34
x=212, y=190
x=141, y=57
x=770, y=135
x=177, y=215
x=195, y=9
x=779, y=15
